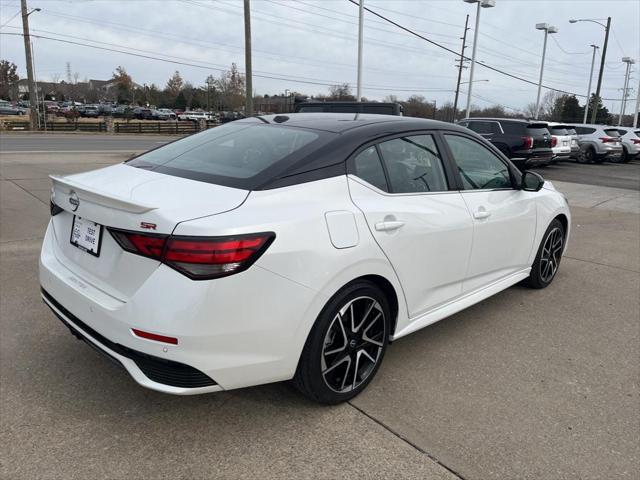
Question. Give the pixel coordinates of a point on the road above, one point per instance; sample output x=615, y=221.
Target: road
x=618, y=175
x=529, y=384
x=62, y=143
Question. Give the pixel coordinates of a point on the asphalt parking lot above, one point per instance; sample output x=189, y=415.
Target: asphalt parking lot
x=527, y=384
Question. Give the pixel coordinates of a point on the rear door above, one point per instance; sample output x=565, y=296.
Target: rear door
x=422, y=224
x=504, y=218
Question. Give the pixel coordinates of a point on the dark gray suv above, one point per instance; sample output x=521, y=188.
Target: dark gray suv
x=526, y=143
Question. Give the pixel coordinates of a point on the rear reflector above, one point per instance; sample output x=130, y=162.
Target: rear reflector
x=155, y=336
x=199, y=258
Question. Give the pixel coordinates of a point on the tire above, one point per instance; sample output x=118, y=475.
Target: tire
x=332, y=366
x=589, y=155
x=581, y=157
x=625, y=156
x=547, y=261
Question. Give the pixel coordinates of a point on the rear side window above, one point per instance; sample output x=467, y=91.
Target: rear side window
x=369, y=168
x=413, y=164
x=513, y=128
x=479, y=168
x=238, y=150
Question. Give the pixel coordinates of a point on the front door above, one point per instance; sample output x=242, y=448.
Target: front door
x=504, y=217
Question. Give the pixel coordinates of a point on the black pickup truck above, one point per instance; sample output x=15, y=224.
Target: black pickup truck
x=526, y=143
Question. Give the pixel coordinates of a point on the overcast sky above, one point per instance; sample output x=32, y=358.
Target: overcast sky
x=309, y=44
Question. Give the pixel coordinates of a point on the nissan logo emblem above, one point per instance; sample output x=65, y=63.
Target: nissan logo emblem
x=74, y=201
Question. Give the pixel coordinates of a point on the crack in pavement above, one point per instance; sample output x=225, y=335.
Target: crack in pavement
x=458, y=475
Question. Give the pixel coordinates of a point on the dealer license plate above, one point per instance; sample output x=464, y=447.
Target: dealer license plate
x=86, y=235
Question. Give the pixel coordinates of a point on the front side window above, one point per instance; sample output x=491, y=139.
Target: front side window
x=478, y=166
x=413, y=164
x=368, y=167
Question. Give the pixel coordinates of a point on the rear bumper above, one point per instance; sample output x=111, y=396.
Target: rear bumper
x=150, y=371
x=242, y=330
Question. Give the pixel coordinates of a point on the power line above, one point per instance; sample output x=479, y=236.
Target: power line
x=439, y=45
x=8, y=21
x=220, y=68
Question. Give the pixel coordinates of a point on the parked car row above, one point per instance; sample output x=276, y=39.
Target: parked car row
x=532, y=143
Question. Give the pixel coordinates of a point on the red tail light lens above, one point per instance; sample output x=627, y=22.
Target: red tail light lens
x=213, y=257
x=139, y=243
x=635, y=142
x=528, y=143
x=608, y=139
x=554, y=141
x=199, y=258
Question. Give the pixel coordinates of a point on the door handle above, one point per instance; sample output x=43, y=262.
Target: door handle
x=388, y=226
x=480, y=214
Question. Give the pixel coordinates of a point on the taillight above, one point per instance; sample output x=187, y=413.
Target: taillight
x=635, y=141
x=528, y=143
x=608, y=139
x=199, y=258
x=147, y=245
x=554, y=141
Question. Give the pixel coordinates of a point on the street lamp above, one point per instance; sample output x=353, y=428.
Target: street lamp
x=629, y=61
x=606, y=27
x=483, y=4
x=547, y=30
x=593, y=60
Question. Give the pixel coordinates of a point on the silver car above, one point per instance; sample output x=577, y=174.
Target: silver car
x=599, y=142
x=630, y=143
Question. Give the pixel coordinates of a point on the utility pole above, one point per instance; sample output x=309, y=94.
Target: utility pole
x=460, y=67
x=594, y=113
x=593, y=61
x=27, y=50
x=248, y=108
x=360, y=33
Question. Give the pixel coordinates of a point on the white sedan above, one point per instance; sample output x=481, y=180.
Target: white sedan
x=291, y=247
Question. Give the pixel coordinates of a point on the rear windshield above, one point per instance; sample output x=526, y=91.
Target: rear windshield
x=513, y=128
x=559, y=131
x=612, y=132
x=571, y=131
x=232, y=153
x=637, y=132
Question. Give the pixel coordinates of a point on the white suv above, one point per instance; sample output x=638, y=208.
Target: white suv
x=561, y=141
x=191, y=115
x=599, y=142
x=630, y=143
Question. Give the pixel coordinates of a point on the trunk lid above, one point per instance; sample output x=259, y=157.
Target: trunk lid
x=128, y=198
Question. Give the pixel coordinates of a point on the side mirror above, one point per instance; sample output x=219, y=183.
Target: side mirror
x=531, y=181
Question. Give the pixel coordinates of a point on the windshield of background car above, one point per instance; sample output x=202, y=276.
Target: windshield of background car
x=232, y=154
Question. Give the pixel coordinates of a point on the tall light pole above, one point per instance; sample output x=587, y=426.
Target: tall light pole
x=483, y=4
x=593, y=60
x=606, y=27
x=629, y=61
x=547, y=30
x=248, y=106
x=635, y=116
x=33, y=101
x=360, y=41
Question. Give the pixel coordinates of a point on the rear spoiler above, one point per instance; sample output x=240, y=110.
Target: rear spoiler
x=65, y=186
